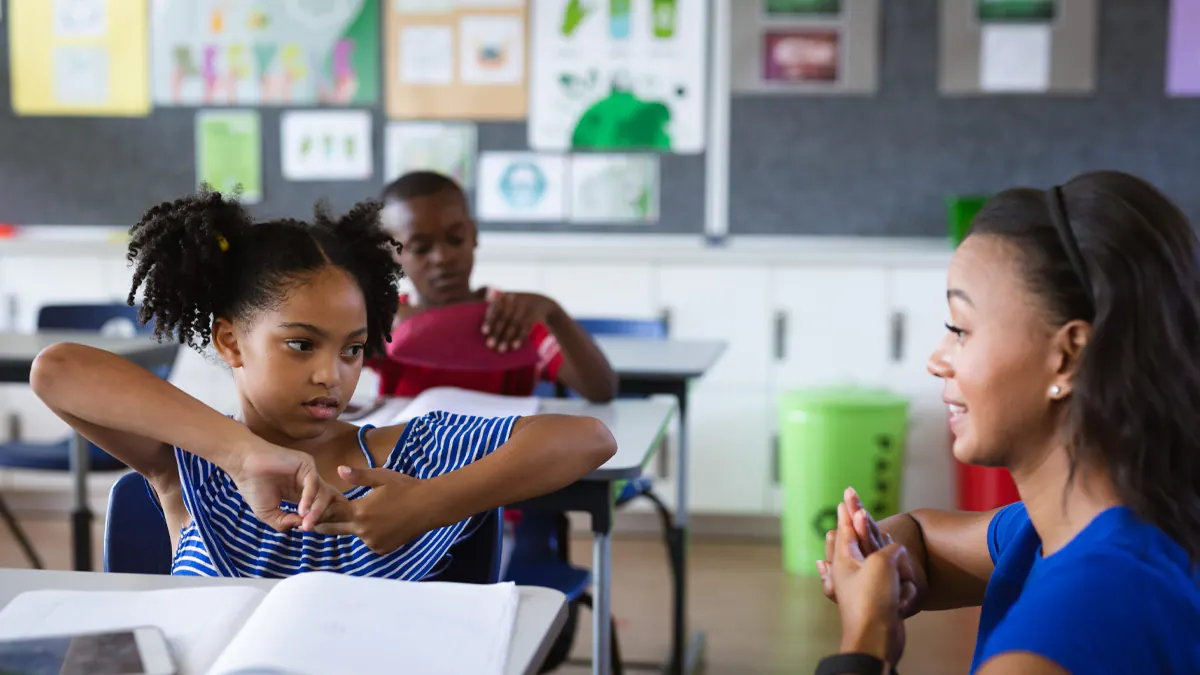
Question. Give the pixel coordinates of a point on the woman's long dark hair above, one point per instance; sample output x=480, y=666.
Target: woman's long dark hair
x=1135, y=407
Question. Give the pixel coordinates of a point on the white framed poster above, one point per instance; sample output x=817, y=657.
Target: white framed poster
x=619, y=75
x=522, y=187
x=614, y=188
x=445, y=147
x=326, y=145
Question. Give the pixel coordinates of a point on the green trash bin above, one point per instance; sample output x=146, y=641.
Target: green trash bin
x=831, y=439
x=960, y=211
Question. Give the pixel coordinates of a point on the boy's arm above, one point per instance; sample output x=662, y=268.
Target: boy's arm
x=585, y=369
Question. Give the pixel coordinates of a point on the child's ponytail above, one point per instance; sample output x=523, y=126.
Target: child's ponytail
x=182, y=252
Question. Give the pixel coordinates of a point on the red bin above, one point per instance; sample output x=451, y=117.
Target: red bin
x=982, y=488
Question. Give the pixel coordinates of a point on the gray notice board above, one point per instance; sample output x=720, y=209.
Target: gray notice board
x=883, y=165
x=108, y=171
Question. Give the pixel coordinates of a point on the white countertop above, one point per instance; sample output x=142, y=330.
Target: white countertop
x=499, y=247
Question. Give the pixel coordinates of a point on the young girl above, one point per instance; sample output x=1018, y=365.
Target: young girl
x=292, y=308
x=1070, y=360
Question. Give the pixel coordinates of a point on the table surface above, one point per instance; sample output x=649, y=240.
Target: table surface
x=645, y=357
x=540, y=615
x=26, y=346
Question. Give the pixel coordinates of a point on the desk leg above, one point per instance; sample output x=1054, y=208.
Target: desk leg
x=684, y=657
x=602, y=609
x=81, y=516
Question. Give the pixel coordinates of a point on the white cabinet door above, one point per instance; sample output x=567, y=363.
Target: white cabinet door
x=730, y=304
x=730, y=449
x=506, y=276
x=610, y=290
x=918, y=300
x=832, y=327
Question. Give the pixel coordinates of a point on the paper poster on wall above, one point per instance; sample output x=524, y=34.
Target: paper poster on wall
x=619, y=75
x=1183, y=49
x=326, y=145
x=522, y=187
x=805, y=46
x=1018, y=46
x=265, y=52
x=614, y=188
x=445, y=147
x=456, y=59
x=229, y=152
x=79, y=57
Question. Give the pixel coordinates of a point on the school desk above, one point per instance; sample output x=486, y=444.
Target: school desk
x=17, y=352
x=638, y=426
x=648, y=366
x=540, y=614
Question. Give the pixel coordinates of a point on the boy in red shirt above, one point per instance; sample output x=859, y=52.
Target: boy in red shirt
x=427, y=213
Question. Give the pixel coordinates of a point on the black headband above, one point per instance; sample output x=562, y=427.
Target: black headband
x=1058, y=215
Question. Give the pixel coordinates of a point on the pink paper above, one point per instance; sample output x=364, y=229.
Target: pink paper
x=1183, y=49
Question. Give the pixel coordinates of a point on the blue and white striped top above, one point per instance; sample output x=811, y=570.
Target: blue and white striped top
x=225, y=539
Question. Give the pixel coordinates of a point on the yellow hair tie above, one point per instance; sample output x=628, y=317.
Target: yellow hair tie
x=223, y=243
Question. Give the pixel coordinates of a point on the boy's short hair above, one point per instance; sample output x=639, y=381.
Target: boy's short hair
x=416, y=184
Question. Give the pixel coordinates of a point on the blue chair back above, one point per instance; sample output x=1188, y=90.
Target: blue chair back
x=650, y=329
x=93, y=317
x=475, y=558
x=136, y=540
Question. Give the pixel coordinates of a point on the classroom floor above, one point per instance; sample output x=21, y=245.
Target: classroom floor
x=757, y=618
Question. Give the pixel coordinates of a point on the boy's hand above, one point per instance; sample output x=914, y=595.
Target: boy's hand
x=511, y=316
x=391, y=515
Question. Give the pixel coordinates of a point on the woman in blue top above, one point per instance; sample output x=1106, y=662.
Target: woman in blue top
x=292, y=308
x=1073, y=360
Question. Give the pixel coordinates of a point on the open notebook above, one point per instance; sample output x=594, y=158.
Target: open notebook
x=448, y=399
x=312, y=624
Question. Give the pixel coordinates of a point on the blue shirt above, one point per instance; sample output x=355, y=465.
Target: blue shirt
x=225, y=539
x=1121, y=597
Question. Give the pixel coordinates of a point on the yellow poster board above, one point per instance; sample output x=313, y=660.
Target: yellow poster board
x=79, y=57
x=457, y=60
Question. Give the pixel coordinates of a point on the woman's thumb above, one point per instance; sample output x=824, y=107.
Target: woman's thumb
x=364, y=477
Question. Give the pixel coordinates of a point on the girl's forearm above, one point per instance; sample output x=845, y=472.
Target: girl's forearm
x=548, y=453
x=106, y=390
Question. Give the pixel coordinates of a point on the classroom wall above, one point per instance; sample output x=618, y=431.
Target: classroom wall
x=882, y=165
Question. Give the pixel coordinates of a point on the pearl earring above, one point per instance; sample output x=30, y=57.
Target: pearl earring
x=1055, y=390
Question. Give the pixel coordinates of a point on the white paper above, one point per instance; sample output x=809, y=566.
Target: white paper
x=445, y=147
x=522, y=186
x=491, y=50
x=467, y=402
x=80, y=18
x=320, y=623
x=1015, y=58
x=427, y=55
x=81, y=74
x=326, y=145
x=645, y=71
x=197, y=622
x=424, y=6
x=614, y=188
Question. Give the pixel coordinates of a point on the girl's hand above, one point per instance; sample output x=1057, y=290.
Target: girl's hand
x=869, y=593
x=391, y=515
x=269, y=474
x=511, y=316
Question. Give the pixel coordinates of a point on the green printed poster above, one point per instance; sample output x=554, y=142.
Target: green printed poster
x=1016, y=10
x=805, y=8
x=229, y=153
x=265, y=52
x=619, y=75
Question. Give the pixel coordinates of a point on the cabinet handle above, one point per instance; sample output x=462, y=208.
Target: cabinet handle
x=781, y=328
x=14, y=309
x=665, y=317
x=898, y=321
x=775, y=459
